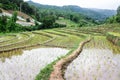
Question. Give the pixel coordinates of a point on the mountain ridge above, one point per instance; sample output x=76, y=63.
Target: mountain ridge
x=97, y=14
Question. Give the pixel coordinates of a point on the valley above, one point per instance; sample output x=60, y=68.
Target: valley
x=50, y=42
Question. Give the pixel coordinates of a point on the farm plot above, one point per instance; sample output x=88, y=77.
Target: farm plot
x=28, y=65
x=96, y=62
x=65, y=39
x=7, y=38
x=32, y=61
x=20, y=38
x=24, y=40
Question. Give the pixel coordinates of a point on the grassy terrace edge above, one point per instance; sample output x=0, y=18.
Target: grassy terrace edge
x=45, y=73
x=114, y=38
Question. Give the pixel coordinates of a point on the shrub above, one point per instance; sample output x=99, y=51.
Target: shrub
x=56, y=25
x=0, y=10
x=114, y=39
x=28, y=20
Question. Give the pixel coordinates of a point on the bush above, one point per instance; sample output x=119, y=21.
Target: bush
x=82, y=23
x=0, y=10
x=118, y=18
x=28, y=20
x=3, y=22
x=114, y=39
x=56, y=25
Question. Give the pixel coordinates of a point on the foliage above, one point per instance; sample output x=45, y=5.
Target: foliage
x=65, y=11
x=14, y=17
x=17, y=5
x=3, y=22
x=9, y=25
x=111, y=19
x=0, y=10
x=28, y=20
x=56, y=25
x=115, y=39
x=47, y=22
x=45, y=72
x=116, y=18
x=118, y=10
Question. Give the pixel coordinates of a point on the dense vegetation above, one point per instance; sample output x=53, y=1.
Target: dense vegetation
x=9, y=25
x=17, y=5
x=50, y=16
x=97, y=14
x=115, y=18
x=114, y=38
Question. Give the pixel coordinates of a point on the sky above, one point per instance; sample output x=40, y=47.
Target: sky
x=100, y=4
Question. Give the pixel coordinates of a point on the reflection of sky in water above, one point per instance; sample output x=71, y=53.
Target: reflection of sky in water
x=28, y=65
x=94, y=64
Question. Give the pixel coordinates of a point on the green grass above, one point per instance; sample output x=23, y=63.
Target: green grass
x=68, y=37
x=114, y=34
x=45, y=72
x=69, y=23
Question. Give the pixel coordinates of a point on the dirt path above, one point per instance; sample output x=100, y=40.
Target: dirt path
x=61, y=65
x=98, y=56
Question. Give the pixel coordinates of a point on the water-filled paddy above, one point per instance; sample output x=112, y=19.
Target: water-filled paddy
x=29, y=64
x=94, y=64
x=97, y=61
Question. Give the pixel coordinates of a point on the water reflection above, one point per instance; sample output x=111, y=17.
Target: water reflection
x=99, y=60
x=94, y=64
x=28, y=65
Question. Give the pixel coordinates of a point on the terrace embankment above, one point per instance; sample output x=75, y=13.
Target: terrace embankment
x=99, y=60
x=27, y=65
x=61, y=65
x=114, y=38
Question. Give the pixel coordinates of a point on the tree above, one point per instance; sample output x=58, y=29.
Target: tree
x=118, y=18
x=118, y=10
x=27, y=9
x=0, y=10
x=118, y=15
x=4, y=1
x=48, y=22
x=3, y=22
x=12, y=22
x=14, y=17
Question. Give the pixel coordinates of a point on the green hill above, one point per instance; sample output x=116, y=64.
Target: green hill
x=97, y=14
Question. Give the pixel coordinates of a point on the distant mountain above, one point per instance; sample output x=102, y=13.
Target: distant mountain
x=97, y=14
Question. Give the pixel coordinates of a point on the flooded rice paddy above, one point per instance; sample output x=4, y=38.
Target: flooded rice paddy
x=95, y=63
x=29, y=64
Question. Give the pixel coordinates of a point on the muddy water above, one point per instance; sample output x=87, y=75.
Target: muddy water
x=29, y=64
x=98, y=61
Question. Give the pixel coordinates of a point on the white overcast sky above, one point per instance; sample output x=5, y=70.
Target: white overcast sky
x=101, y=4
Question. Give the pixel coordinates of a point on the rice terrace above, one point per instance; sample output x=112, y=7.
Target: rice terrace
x=45, y=42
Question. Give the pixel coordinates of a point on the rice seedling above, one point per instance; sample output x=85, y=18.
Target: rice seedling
x=28, y=65
x=96, y=59
x=98, y=56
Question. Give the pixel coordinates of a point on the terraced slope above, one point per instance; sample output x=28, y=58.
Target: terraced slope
x=68, y=38
x=98, y=61
x=50, y=38
x=29, y=40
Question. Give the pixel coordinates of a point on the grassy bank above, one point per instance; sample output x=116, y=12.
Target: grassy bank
x=45, y=72
x=114, y=38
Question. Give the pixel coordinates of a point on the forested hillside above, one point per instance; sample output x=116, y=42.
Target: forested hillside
x=115, y=18
x=17, y=5
x=52, y=16
x=97, y=14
